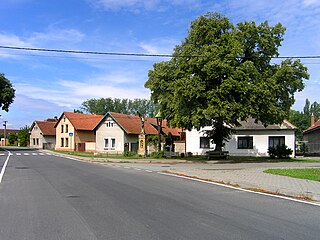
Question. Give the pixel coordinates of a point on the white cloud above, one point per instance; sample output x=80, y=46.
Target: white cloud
x=56, y=36
x=159, y=46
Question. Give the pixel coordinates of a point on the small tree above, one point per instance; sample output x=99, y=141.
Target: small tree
x=6, y=93
x=24, y=136
x=12, y=138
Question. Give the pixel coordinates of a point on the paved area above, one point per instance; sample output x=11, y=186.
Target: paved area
x=244, y=175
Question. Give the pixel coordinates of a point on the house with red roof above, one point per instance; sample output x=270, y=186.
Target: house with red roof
x=74, y=131
x=43, y=134
x=311, y=137
x=117, y=133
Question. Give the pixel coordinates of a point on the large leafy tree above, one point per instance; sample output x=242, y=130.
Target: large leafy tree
x=6, y=93
x=222, y=73
x=127, y=106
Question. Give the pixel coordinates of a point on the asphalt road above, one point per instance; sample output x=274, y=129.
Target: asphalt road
x=47, y=197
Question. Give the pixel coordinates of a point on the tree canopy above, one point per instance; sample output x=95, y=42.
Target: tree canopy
x=222, y=73
x=23, y=136
x=6, y=93
x=302, y=120
x=127, y=106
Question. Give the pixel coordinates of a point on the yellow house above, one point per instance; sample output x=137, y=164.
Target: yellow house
x=74, y=132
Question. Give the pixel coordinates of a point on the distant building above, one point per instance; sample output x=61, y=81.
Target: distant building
x=118, y=133
x=8, y=132
x=74, y=132
x=43, y=134
x=311, y=137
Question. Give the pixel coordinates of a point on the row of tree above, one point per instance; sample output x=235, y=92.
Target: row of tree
x=302, y=119
x=101, y=106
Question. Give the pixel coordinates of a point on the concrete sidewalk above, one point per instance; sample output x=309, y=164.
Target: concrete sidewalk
x=245, y=175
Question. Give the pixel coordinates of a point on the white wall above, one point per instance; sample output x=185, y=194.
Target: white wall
x=193, y=142
x=106, y=131
x=260, y=142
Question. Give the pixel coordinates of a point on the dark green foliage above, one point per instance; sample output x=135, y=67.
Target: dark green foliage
x=101, y=106
x=12, y=138
x=129, y=154
x=280, y=151
x=302, y=120
x=222, y=73
x=157, y=154
x=24, y=136
x=6, y=93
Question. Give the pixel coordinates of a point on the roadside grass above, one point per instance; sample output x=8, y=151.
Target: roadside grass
x=92, y=155
x=303, y=173
x=195, y=158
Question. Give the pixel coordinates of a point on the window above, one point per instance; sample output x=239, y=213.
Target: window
x=34, y=141
x=62, y=128
x=245, y=142
x=67, y=128
x=113, y=143
x=276, y=141
x=109, y=124
x=67, y=142
x=37, y=141
x=62, y=142
x=106, y=143
x=110, y=143
x=204, y=142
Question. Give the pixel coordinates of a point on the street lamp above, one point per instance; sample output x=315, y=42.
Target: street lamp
x=5, y=132
x=159, y=125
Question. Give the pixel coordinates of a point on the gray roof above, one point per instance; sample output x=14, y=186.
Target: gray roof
x=249, y=124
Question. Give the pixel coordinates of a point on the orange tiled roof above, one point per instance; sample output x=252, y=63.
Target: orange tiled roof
x=81, y=121
x=47, y=127
x=313, y=127
x=132, y=125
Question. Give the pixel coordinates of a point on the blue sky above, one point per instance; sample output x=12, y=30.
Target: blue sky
x=49, y=83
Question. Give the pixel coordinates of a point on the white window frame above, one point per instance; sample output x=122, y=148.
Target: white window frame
x=109, y=143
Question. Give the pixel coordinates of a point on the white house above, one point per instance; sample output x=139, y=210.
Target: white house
x=249, y=139
x=117, y=132
x=43, y=134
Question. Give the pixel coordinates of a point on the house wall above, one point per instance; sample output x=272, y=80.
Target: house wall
x=84, y=136
x=90, y=146
x=70, y=135
x=260, y=142
x=193, y=142
x=313, y=141
x=37, y=135
x=105, y=131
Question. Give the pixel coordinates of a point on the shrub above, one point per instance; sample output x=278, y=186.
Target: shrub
x=157, y=154
x=129, y=154
x=280, y=151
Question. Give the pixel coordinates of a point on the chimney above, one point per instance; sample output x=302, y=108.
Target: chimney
x=312, y=120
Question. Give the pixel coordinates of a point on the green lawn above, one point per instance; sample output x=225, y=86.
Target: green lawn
x=304, y=173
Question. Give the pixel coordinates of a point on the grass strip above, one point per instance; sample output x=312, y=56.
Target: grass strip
x=303, y=173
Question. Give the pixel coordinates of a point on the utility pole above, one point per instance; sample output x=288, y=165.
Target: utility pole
x=5, y=132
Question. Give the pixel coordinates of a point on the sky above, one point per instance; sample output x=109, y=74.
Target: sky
x=49, y=83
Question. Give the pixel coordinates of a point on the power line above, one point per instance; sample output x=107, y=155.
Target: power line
x=132, y=54
x=85, y=52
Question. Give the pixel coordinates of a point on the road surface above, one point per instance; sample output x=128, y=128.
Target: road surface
x=45, y=197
